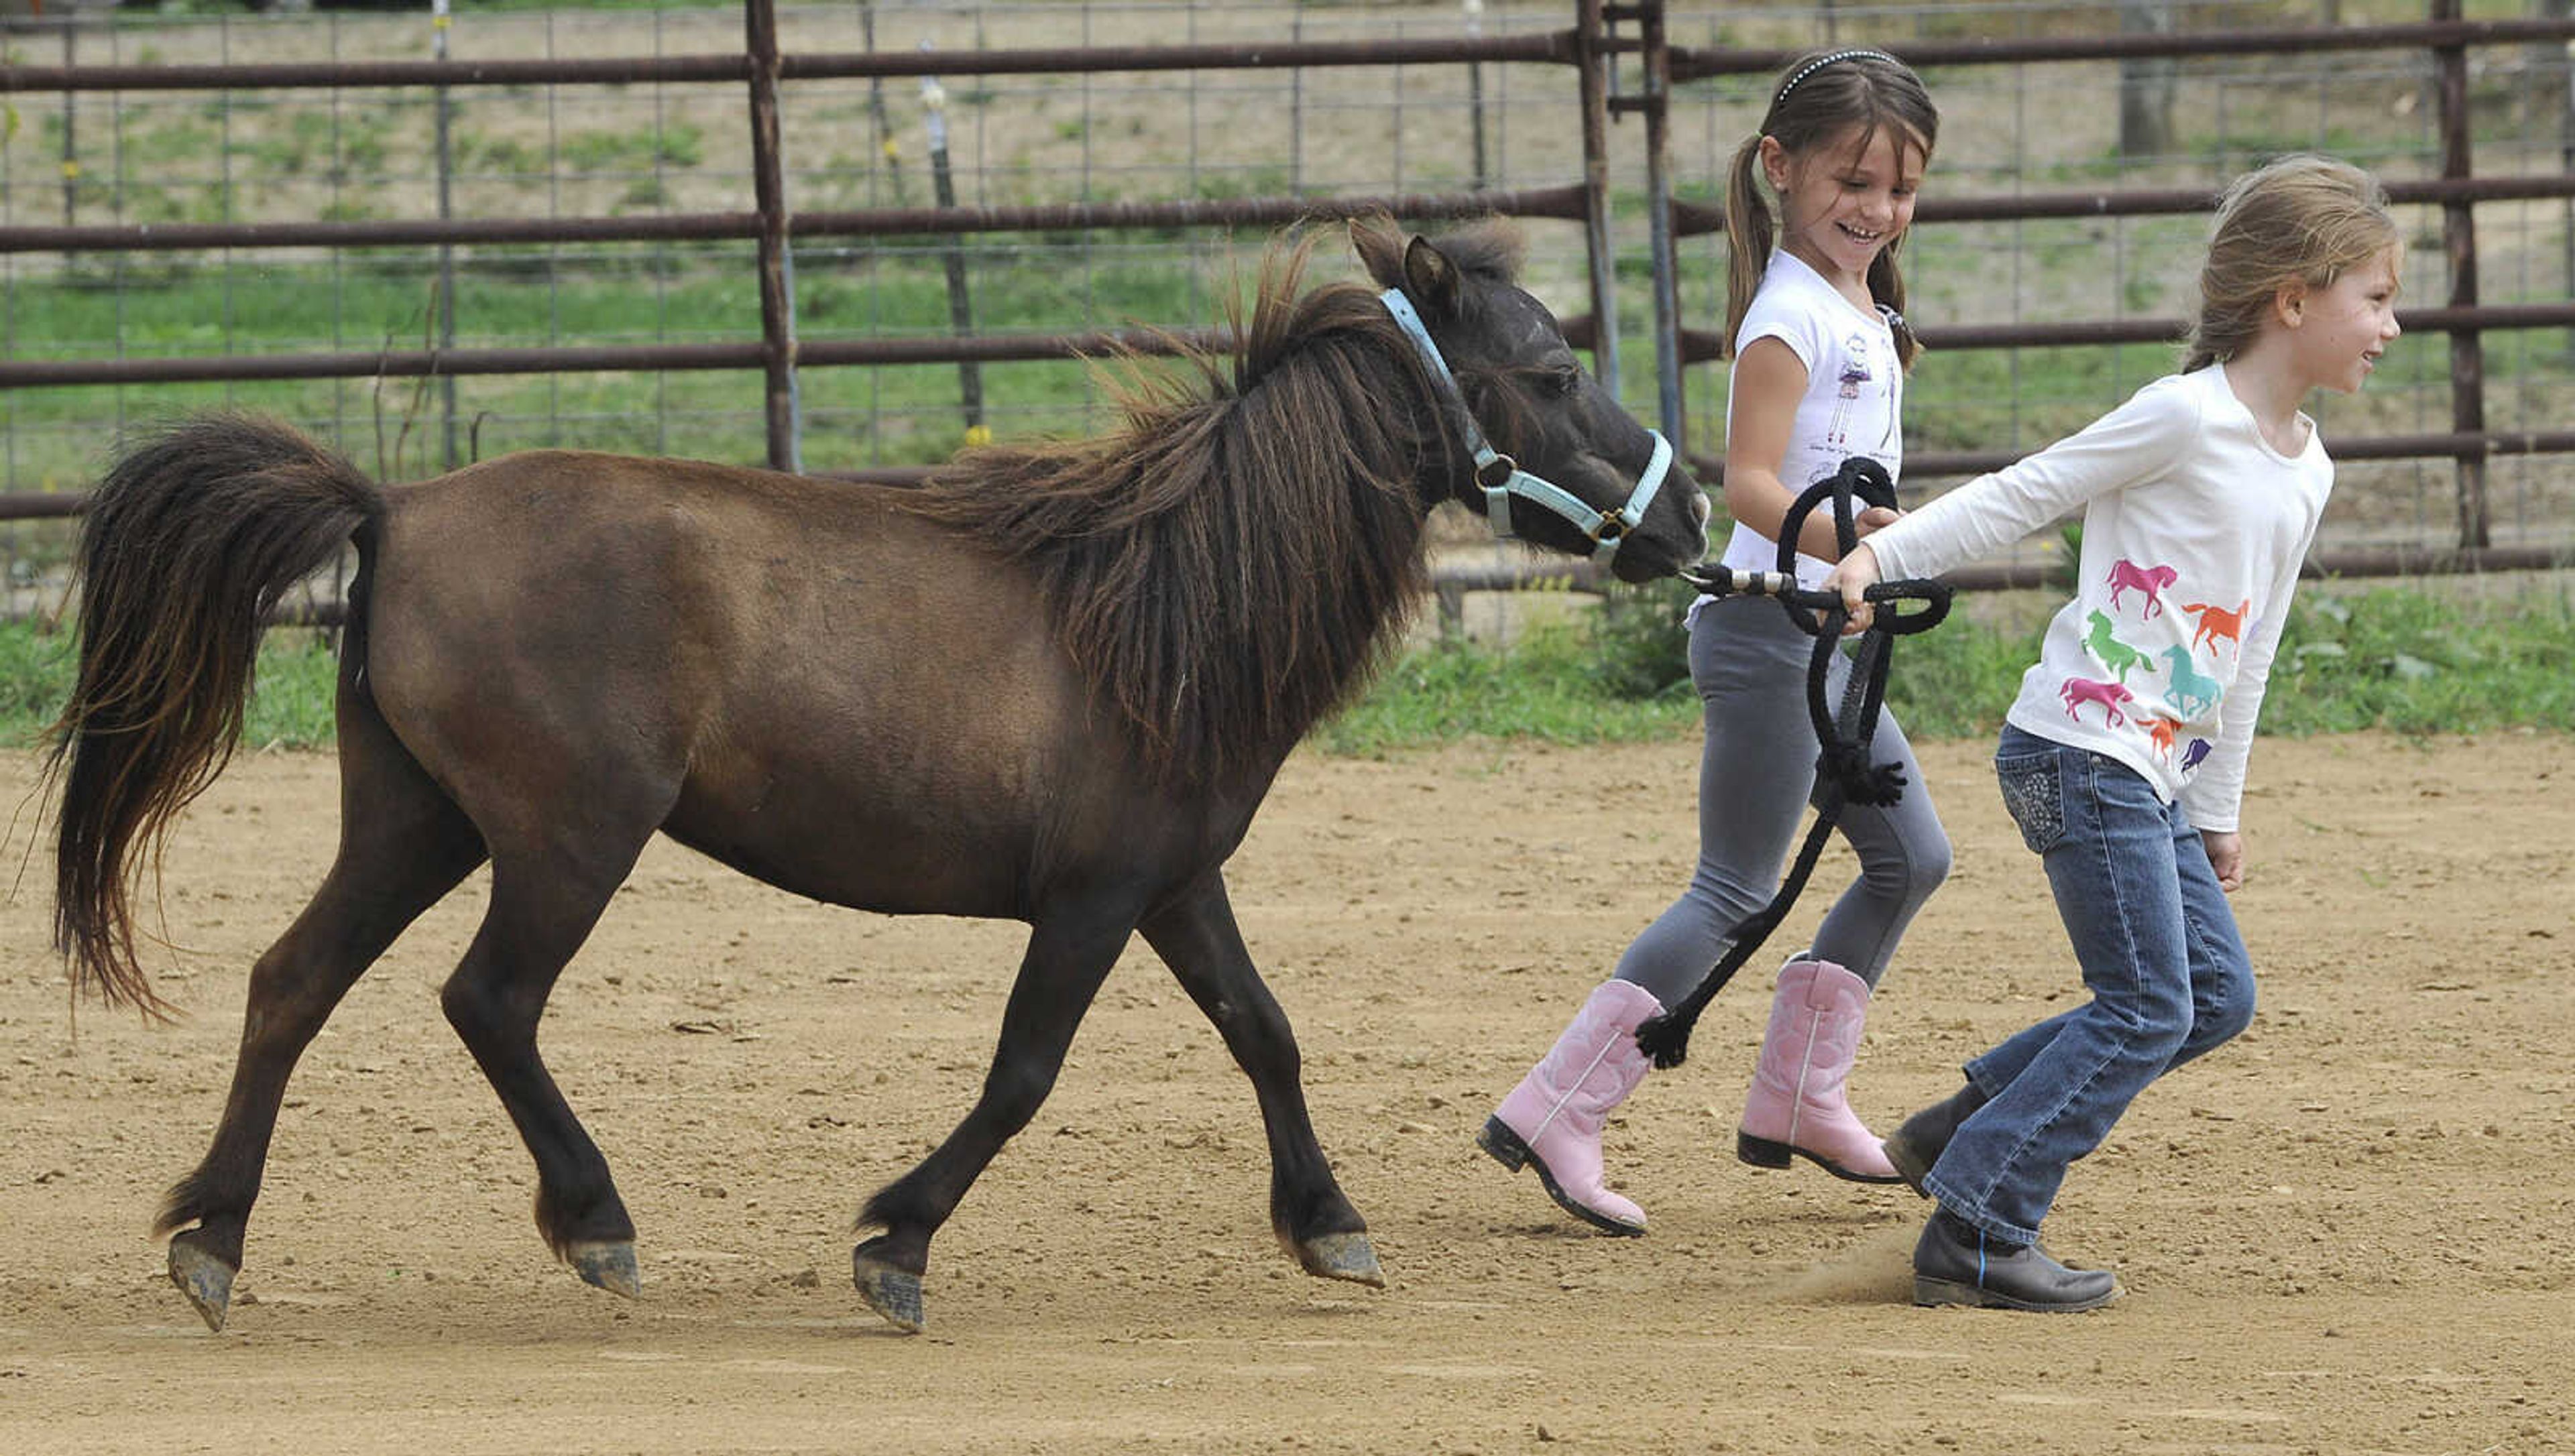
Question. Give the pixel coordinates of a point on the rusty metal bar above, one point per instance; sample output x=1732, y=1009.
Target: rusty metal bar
x=777, y=264
x=1550, y=47
x=1535, y=201
x=1592, y=70
x=1696, y=345
x=2353, y=564
x=415, y=363
x=1447, y=583
x=1691, y=219
x=2459, y=244
x=1930, y=464
x=1696, y=65
x=1669, y=377
x=1921, y=466
x=1568, y=202
x=324, y=75
x=1559, y=47
x=41, y=505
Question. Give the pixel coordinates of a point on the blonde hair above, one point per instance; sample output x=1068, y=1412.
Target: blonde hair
x=1823, y=97
x=2301, y=219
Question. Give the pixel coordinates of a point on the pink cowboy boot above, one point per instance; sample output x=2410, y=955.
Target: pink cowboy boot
x=1796, y=1105
x=1554, y=1118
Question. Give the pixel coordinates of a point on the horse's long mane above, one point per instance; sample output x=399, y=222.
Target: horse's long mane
x=1225, y=566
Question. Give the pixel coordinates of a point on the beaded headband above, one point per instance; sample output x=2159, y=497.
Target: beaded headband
x=1820, y=62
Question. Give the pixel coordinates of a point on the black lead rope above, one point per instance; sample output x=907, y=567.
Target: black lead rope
x=1843, y=773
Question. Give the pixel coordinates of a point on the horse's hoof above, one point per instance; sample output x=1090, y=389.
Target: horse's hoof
x=892, y=1293
x=1342, y=1257
x=608, y=1266
x=204, y=1279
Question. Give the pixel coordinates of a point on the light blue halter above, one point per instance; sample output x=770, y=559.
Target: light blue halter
x=1502, y=477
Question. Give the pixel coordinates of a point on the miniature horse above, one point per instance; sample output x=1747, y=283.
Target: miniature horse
x=1052, y=686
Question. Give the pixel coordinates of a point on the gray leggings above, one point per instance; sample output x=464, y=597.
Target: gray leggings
x=1756, y=776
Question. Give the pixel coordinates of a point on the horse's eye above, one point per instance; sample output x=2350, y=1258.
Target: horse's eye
x=1566, y=382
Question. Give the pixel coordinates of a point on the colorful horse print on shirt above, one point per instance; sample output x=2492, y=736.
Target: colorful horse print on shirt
x=2080, y=691
x=2151, y=581
x=2198, y=750
x=2217, y=621
x=2110, y=653
x=2190, y=693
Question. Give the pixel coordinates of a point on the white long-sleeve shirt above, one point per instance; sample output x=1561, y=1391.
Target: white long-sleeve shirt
x=2194, y=528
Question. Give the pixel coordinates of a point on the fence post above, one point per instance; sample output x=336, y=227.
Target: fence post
x=1475, y=93
x=1591, y=64
x=1657, y=106
x=71, y=152
x=777, y=262
x=961, y=305
x=2459, y=244
x=885, y=142
x=443, y=105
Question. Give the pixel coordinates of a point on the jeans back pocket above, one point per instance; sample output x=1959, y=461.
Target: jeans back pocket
x=2034, y=793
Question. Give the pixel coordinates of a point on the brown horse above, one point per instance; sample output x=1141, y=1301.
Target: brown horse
x=1052, y=686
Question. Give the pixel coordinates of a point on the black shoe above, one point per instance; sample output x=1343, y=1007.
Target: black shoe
x=1919, y=1142
x=1958, y=1264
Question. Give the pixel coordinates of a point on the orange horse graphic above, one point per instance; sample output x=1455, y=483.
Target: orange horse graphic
x=2159, y=731
x=2217, y=621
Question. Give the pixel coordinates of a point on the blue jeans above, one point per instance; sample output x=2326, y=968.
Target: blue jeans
x=2160, y=954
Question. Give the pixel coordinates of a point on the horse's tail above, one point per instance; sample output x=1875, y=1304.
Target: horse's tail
x=190, y=541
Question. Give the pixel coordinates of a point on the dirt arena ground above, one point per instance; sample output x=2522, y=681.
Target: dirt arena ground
x=2347, y=1233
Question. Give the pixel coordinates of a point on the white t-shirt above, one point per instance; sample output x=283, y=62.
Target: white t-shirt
x=1855, y=396
x=2194, y=528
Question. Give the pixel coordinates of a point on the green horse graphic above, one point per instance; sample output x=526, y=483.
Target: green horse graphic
x=2111, y=652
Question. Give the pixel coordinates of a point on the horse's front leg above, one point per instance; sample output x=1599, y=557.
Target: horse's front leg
x=1070, y=954
x=1197, y=937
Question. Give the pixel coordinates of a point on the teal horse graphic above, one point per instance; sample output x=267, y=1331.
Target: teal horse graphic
x=2111, y=652
x=2189, y=693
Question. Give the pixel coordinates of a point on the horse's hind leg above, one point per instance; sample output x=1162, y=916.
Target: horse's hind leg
x=1068, y=956
x=403, y=844
x=1198, y=938
x=545, y=899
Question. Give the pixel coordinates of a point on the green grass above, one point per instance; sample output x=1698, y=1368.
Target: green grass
x=290, y=708
x=897, y=415
x=2405, y=660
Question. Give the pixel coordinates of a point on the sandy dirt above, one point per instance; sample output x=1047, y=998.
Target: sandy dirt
x=2345, y=1233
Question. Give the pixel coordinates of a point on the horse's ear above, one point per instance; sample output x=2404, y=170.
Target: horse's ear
x=1380, y=245
x=1430, y=277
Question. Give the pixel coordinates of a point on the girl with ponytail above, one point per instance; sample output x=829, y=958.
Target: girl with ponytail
x=1818, y=203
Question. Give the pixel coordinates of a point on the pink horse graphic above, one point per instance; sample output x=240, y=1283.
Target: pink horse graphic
x=2217, y=621
x=2125, y=574
x=2080, y=691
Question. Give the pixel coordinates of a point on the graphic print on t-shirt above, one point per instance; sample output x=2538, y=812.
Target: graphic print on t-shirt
x=1855, y=375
